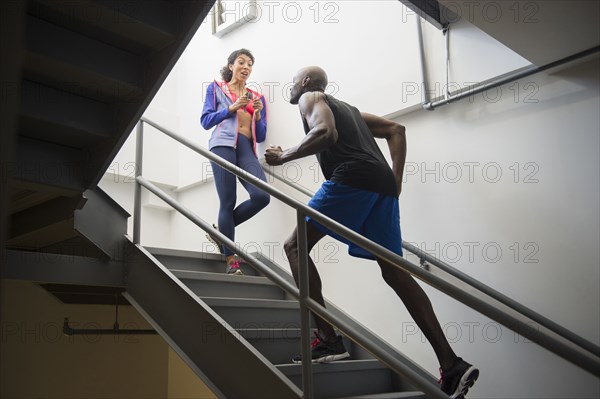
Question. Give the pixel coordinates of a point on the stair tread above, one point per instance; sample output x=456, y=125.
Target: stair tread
x=127, y=28
x=389, y=395
x=251, y=302
x=222, y=277
x=360, y=378
x=339, y=366
x=48, y=41
x=62, y=119
x=184, y=253
x=274, y=330
x=270, y=333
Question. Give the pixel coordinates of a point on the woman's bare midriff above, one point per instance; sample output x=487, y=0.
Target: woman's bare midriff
x=244, y=123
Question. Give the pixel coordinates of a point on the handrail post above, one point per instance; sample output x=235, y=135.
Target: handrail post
x=307, y=385
x=137, y=202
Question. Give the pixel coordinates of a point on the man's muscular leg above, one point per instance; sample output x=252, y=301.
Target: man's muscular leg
x=313, y=236
x=419, y=306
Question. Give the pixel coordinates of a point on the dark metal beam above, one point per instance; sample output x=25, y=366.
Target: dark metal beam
x=62, y=269
x=116, y=330
x=102, y=221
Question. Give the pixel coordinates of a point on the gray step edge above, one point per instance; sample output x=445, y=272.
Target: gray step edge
x=389, y=395
x=251, y=303
x=221, y=277
x=182, y=253
x=334, y=367
x=269, y=333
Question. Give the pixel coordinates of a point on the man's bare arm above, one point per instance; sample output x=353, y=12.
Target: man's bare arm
x=321, y=135
x=395, y=135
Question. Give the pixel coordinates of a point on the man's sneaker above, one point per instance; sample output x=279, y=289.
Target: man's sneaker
x=456, y=381
x=212, y=239
x=323, y=352
x=234, y=268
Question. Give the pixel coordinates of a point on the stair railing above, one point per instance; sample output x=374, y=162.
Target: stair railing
x=395, y=361
x=426, y=258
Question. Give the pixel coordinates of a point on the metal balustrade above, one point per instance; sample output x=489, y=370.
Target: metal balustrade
x=568, y=345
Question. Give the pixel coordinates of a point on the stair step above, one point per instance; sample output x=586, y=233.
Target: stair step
x=64, y=59
x=59, y=117
x=256, y=313
x=208, y=284
x=211, y=264
x=135, y=27
x=200, y=337
x=391, y=395
x=175, y=259
x=346, y=378
x=279, y=345
x=63, y=167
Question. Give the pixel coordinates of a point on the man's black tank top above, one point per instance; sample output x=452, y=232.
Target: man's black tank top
x=355, y=159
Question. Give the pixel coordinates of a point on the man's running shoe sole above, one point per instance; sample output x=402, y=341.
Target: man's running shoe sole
x=466, y=382
x=326, y=359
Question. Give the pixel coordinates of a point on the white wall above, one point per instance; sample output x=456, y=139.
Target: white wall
x=525, y=222
x=474, y=57
x=540, y=133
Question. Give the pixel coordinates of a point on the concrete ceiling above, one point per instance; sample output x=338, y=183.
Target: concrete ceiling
x=539, y=31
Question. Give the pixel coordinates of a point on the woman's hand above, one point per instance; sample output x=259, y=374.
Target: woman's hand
x=241, y=103
x=257, y=104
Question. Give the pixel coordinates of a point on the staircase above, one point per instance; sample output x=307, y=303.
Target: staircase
x=266, y=322
x=84, y=72
x=81, y=73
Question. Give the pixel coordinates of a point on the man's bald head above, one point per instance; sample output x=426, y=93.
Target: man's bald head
x=317, y=76
x=312, y=78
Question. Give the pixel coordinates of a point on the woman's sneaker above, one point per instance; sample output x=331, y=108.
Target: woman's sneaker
x=456, y=381
x=214, y=241
x=234, y=268
x=323, y=352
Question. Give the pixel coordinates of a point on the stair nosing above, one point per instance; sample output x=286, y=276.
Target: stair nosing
x=197, y=275
x=184, y=253
x=256, y=334
x=388, y=395
x=250, y=302
x=338, y=366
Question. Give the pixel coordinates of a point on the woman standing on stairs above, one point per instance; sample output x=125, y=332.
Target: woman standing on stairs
x=239, y=118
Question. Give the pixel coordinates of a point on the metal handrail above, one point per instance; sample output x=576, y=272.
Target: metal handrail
x=583, y=360
x=498, y=296
x=385, y=357
x=477, y=88
x=427, y=385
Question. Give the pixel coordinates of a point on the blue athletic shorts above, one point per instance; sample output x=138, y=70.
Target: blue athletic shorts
x=373, y=215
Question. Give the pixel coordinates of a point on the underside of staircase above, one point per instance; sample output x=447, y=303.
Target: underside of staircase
x=80, y=74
